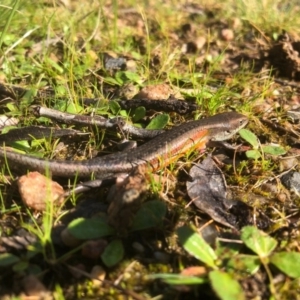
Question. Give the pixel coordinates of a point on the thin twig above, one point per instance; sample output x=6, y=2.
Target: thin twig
x=101, y=122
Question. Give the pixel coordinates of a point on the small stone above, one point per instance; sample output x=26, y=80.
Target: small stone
x=131, y=65
x=269, y=187
x=128, y=91
x=155, y=92
x=200, y=42
x=162, y=257
x=34, y=287
x=93, y=248
x=261, y=108
x=209, y=232
x=291, y=180
x=227, y=34
x=194, y=46
x=138, y=247
x=37, y=190
x=282, y=197
x=98, y=273
x=77, y=274
x=236, y=24
x=68, y=239
x=287, y=163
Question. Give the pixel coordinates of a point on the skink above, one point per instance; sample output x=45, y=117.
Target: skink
x=157, y=153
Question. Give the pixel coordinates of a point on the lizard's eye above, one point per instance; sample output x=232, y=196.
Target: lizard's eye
x=242, y=122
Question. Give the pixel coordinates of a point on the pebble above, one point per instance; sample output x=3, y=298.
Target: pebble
x=68, y=239
x=209, y=232
x=287, y=163
x=33, y=287
x=98, y=273
x=155, y=92
x=93, y=248
x=138, y=247
x=227, y=34
x=162, y=257
x=78, y=274
x=37, y=190
x=291, y=181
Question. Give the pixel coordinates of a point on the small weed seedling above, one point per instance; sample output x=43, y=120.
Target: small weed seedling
x=224, y=262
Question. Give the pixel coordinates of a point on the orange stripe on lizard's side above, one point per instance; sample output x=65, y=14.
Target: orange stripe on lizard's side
x=197, y=141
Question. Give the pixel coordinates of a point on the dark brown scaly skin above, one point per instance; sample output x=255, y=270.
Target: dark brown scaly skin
x=159, y=152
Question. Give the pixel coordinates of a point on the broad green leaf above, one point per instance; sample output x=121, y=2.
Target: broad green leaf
x=60, y=105
x=195, y=245
x=12, y=107
x=178, y=279
x=9, y=39
x=21, y=266
x=85, y=229
x=151, y=214
x=258, y=241
x=253, y=154
x=159, y=122
x=42, y=84
x=244, y=263
x=7, y=259
x=250, y=137
x=287, y=262
x=206, y=94
x=79, y=70
x=7, y=129
x=37, y=143
x=127, y=76
x=139, y=113
x=111, y=81
x=133, y=77
x=226, y=287
x=73, y=108
x=123, y=113
x=21, y=145
x=60, y=91
x=120, y=77
x=113, y=253
x=274, y=150
x=69, y=107
x=114, y=107
x=28, y=97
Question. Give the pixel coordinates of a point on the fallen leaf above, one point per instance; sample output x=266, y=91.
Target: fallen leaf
x=208, y=192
